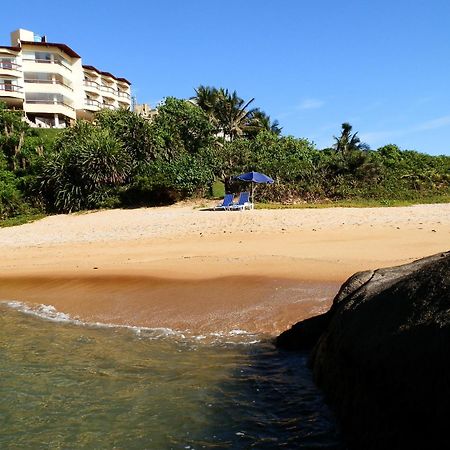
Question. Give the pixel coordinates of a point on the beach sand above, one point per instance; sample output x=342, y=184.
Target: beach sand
x=188, y=269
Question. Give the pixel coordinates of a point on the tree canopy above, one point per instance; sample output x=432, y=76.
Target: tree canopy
x=121, y=159
x=230, y=115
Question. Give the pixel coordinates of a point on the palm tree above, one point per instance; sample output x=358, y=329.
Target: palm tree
x=229, y=113
x=234, y=117
x=347, y=142
x=206, y=98
x=263, y=121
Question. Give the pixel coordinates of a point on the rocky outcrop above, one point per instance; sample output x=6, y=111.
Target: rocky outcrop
x=382, y=355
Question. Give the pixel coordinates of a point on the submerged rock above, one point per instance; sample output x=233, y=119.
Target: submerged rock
x=381, y=354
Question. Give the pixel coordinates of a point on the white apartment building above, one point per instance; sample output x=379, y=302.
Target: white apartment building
x=51, y=85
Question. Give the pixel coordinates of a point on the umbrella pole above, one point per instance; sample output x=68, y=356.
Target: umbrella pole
x=251, y=193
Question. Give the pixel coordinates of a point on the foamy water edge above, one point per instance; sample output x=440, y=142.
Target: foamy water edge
x=50, y=313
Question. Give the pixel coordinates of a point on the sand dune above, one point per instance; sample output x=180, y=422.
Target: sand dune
x=187, y=268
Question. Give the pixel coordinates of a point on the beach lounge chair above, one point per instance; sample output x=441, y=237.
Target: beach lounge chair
x=243, y=202
x=227, y=202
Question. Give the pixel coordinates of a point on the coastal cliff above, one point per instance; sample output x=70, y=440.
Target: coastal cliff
x=381, y=355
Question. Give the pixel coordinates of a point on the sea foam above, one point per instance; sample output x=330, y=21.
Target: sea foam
x=50, y=313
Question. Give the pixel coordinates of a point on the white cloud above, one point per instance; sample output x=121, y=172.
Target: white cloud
x=376, y=137
x=433, y=124
x=311, y=103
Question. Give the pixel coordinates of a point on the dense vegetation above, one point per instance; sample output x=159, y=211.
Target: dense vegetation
x=120, y=159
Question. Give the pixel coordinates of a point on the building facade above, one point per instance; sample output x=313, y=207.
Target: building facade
x=51, y=85
x=145, y=110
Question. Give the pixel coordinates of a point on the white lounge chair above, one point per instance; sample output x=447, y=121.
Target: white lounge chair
x=227, y=202
x=243, y=202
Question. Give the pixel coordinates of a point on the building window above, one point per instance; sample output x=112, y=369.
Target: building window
x=61, y=61
x=38, y=77
x=47, y=78
x=47, y=99
x=43, y=57
x=7, y=63
x=6, y=85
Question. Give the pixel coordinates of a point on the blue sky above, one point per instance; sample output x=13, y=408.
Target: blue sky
x=383, y=66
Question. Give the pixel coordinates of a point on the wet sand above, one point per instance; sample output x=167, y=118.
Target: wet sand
x=216, y=305
x=187, y=269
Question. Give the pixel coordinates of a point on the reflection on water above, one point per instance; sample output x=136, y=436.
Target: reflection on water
x=69, y=386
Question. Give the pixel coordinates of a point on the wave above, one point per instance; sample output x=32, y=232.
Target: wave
x=50, y=313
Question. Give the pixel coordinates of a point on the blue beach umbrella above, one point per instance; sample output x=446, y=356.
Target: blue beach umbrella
x=254, y=177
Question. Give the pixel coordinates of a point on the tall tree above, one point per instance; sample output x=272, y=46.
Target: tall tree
x=132, y=130
x=348, y=142
x=181, y=127
x=234, y=117
x=87, y=165
x=231, y=115
x=206, y=98
x=13, y=130
x=263, y=121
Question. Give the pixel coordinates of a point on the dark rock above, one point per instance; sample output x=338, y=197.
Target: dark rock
x=305, y=334
x=383, y=358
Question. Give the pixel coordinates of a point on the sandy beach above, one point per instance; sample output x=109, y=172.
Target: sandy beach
x=189, y=269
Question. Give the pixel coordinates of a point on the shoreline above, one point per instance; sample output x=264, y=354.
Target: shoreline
x=216, y=305
x=182, y=268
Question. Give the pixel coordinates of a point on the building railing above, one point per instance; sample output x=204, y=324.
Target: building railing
x=91, y=83
x=108, y=89
x=90, y=102
x=108, y=106
x=49, y=61
x=8, y=65
x=10, y=87
x=32, y=80
x=49, y=102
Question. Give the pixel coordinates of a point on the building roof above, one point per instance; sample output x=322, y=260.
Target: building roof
x=15, y=49
x=63, y=47
x=66, y=49
x=106, y=74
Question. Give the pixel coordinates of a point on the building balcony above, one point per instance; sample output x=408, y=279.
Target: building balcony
x=47, y=62
x=92, y=105
x=48, y=102
x=8, y=68
x=9, y=65
x=11, y=91
x=108, y=91
x=108, y=106
x=47, y=82
x=49, y=107
x=124, y=95
x=92, y=86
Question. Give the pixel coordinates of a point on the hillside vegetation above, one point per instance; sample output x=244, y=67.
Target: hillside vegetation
x=120, y=159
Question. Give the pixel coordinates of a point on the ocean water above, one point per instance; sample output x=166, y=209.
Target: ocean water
x=68, y=385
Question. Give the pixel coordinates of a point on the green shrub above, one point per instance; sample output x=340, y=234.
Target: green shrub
x=85, y=169
x=217, y=189
x=11, y=201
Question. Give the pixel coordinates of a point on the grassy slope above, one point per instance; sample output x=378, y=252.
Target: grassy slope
x=357, y=203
